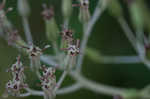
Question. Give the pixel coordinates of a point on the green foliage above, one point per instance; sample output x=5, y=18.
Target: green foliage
x=115, y=8
x=93, y=54
x=51, y=30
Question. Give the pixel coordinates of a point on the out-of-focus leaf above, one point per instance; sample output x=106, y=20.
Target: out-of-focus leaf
x=51, y=30
x=114, y=8
x=136, y=15
x=93, y=54
x=67, y=8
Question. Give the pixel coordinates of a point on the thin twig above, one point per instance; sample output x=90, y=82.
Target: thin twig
x=25, y=94
x=69, y=89
x=35, y=92
x=120, y=60
x=128, y=32
x=139, y=48
x=60, y=81
x=48, y=60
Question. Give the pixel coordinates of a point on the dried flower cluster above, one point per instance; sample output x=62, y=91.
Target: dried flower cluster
x=14, y=86
x=46, y=75
x=35, y=51
x=48, y=81
x=72, y=44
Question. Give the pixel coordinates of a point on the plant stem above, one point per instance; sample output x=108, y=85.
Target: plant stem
x=120, y=60
x=60, y=80
x=69, y=89
x=27, y=30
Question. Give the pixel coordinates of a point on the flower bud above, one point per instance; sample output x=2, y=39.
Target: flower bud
x=51, y=26
x=23, y=8
x=51, y=30
x=66, y=8
x=84, y=14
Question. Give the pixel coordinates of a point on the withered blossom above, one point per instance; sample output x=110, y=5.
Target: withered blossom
x=34, y=53
x=48, y=12
x=14, y=86
x=48, y=81
x=73, y=49
x=67, y=34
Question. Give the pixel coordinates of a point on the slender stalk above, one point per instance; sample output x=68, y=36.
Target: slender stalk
x=60, y=80
x=128, y=32
x=139, y=48
x=25, y=94
x=69, y=64
x=27, y=30
x=69, y=89
x=120, y=60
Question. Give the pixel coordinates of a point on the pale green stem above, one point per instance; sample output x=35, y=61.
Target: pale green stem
x=27, y=30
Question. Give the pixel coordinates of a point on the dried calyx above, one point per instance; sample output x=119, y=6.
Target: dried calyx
x=35, y=51
x=84, y=14
x=13, y=37
x=84, y=4
x=67, y=34
x=14, y=86
x=48, y=12
x=73, y=49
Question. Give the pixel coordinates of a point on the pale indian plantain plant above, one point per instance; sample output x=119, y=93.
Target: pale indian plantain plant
x=70, y=51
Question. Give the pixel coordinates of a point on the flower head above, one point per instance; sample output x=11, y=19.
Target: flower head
x=14, y=86
x=73, y=48
x=67, y=34
x=35, y=51
x=48, y=81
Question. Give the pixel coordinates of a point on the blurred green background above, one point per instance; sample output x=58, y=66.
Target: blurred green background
x=107, y=37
